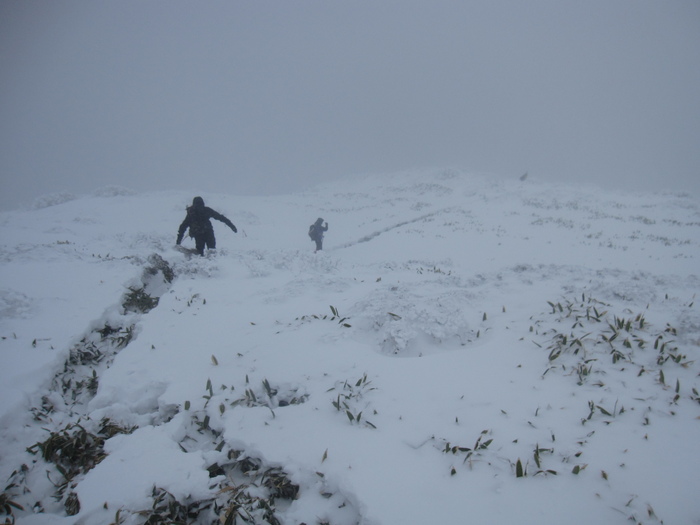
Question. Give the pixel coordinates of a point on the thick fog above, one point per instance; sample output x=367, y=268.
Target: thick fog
x=256, y=97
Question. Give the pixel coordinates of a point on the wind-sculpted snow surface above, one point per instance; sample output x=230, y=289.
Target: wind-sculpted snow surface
x=462, y=350
x=422, y=314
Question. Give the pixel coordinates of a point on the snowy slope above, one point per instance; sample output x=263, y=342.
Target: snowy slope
x=462, y=350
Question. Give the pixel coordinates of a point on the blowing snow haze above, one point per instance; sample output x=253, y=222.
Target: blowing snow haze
x=271, y=97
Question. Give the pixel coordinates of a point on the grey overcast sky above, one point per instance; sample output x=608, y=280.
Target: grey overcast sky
x=260, y=97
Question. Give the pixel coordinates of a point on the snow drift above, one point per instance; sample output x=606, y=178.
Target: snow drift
x=462, y=350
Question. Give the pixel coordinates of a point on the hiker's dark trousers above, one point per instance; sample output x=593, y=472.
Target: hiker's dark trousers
x=205, y=239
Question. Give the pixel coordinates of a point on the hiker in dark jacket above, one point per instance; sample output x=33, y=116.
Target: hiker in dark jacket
x=197, y=220
x=316, y=233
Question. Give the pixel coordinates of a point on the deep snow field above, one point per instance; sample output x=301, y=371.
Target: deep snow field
x=464, y=350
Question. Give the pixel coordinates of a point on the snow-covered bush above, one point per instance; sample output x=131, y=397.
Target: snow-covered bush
x=113, y=191
x=53, y=199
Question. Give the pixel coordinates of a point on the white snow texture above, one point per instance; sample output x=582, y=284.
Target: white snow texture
x=463, y=350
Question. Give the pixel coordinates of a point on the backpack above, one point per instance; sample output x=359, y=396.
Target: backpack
x=312, y=232
x=199, y=222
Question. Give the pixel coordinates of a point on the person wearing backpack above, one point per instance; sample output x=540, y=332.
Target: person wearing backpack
x=316, y=233
x=197, y=220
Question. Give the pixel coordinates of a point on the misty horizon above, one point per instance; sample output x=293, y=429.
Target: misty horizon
x=269, y=98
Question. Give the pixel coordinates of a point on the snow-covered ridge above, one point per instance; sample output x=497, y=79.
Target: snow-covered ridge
x=463, y=347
